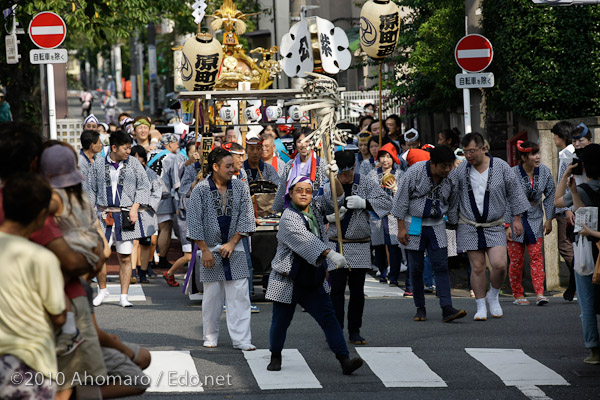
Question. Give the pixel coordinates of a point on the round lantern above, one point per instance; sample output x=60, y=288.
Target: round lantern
x=253, y=113
x=274, y=112
x=227, y=112
x=379, y=28
x=202, y=55
x=295, y=113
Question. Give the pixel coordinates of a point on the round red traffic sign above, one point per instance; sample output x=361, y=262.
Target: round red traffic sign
x=473, y=53
x=47, y=30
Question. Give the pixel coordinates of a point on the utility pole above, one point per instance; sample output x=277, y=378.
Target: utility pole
x=133, y=68
x=152, y=68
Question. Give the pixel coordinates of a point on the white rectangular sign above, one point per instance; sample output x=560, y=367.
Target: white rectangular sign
x=12, y=53
x=475, y=81
x=53, y=56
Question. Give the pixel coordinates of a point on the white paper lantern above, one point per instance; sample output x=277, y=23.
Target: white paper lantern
x=202, y=55
x=227, y=112
x=379, y=28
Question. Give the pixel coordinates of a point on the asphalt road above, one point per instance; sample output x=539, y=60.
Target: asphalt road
x=168, y=321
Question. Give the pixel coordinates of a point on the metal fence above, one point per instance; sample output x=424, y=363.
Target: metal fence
x=69, y=130
x=352, y=109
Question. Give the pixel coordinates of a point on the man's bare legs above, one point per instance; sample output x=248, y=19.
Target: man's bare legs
x=497, y=256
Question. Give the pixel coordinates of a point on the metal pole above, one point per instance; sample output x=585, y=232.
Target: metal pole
x=467, y=92
x=51, y=101
x=43, y=88
x=380, y=104
x=336, y=210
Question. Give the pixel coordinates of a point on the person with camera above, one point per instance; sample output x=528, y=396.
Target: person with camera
x=117, y=187
x=585, y=195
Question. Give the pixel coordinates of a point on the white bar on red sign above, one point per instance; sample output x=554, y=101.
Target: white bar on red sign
x=474, y=53
x=47, y=30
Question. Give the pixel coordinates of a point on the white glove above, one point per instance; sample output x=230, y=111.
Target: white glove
x=332, y=167
x=337, y=259
x=356, y=202
x=331, y=217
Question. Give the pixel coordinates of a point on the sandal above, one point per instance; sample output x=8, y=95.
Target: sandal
x=541, y=300
x=521, y=301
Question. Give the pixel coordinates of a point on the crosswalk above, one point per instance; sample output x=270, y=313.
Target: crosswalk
x=395, y=367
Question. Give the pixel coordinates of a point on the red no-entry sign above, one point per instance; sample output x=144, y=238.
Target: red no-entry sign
x=47, y=30
x=474, y=53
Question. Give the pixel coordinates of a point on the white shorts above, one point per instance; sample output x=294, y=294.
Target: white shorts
x=123, y=247
x=165, y=217
x=186, y=248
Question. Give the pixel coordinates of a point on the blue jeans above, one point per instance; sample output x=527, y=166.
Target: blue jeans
x=589, y=322
x=318, y=304
x=439, y=260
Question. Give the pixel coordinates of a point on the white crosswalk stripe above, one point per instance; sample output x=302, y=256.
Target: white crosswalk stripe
x=396, y=367
x=399, y=367
x=173, y=371
x=136, y=293
x=295, y=374
x=516, y=368
x=373, y=288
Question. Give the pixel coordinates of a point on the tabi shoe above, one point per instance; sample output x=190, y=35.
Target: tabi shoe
x=100, y=297
x=209, y=345
x=494, y=304
x=421, y=314
x=275, y=364
x=163, y=263
x=245, y=346
x=594, y=357
x=541, y=300
x=355, y=338
x=393, y=283
x=521, y=301
x=151, y=273
x=66, y=344
x=143, y=276
x=349, y=365
x=170, y=279
x=569, y=294
x=450, y=313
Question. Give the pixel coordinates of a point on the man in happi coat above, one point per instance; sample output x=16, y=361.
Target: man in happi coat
x=486, y=185
x=427, y=193
x=220, y=214
x=118, y=186
x=363, y=194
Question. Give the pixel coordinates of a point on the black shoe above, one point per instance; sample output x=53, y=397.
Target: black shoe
x=275, y=364
x=349, y=365
x=164, y=263
x=421, y=314
x=450, y=313
x=143, y=276
x=150, y=273
x=355, y=338
x=569, y=294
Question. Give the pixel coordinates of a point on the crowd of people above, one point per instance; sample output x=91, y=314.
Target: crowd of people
x=400, y=207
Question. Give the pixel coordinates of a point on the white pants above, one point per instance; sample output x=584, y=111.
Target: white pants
x=234, y=294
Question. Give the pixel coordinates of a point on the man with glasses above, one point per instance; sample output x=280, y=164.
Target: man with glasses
x=488, y=190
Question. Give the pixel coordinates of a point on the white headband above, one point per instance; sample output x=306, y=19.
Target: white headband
x=413, y=139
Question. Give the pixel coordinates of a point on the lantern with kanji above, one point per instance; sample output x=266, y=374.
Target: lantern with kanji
x=202, y=55
x=379, y=28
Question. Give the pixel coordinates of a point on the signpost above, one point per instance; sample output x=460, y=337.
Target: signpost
x=473, y=53
x=47, y=31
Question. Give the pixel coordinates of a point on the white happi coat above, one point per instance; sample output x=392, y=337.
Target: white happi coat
x=356, y=222
x=133, y=186
x=543, y=185
x=502, y=188
x=419, y=196
x=204, y=208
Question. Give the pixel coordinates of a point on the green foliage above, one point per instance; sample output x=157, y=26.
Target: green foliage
x=545, y=59
x=424, y=60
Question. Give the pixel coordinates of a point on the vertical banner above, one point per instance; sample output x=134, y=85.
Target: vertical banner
x=206, y=146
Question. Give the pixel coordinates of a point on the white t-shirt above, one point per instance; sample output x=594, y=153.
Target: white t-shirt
x=114, y=177
x=479, y=184
x=31, y=286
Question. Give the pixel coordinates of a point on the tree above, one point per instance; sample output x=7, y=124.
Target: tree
x=545, y=59
x=423, y=76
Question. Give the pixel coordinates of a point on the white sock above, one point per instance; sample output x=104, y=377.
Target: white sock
x=493, y=293
x=124, y=297
x=69, y=327
x=481, y=305
x=104, y=291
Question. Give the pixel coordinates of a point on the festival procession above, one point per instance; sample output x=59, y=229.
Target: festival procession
x=304, y=199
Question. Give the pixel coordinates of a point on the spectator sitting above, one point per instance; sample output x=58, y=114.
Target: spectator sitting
x=31, y=291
